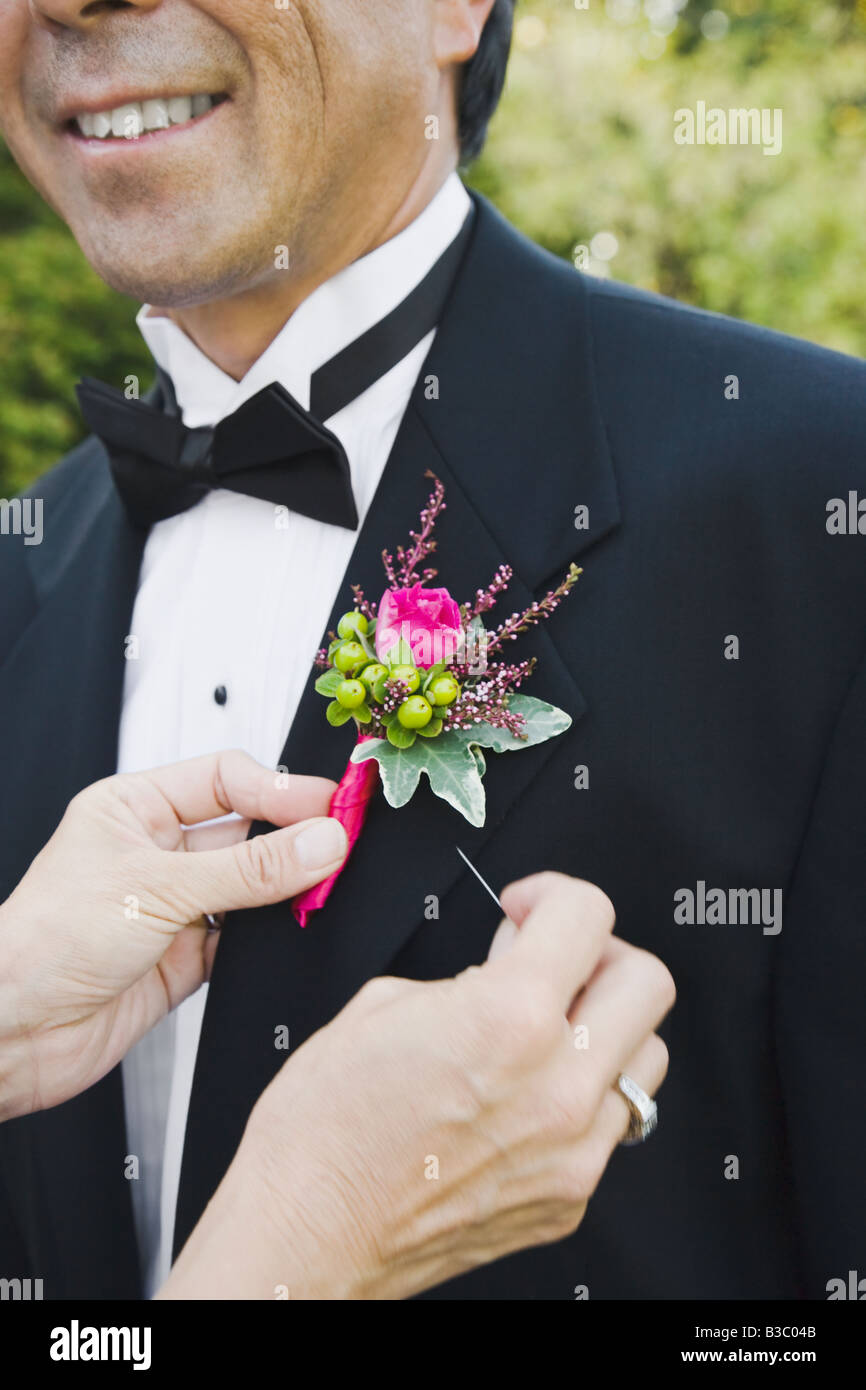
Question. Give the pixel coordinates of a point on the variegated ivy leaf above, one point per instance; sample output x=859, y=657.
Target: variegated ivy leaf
x=451, y=767
x=454, y=762
x=541, y=722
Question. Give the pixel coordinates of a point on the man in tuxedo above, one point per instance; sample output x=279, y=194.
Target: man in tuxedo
x=279, y=186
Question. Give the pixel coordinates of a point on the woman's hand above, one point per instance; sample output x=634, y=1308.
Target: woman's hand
x=434, y=1127
x=105, y=932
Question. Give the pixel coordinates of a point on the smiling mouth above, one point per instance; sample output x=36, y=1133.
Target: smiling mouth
x=135, y=120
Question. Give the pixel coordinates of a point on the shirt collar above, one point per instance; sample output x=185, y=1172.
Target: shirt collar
x=334, y=315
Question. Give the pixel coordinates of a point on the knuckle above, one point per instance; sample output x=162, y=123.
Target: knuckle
x=587, y=905
x=233, y=764
x=488, y=1018
x=659, y=1060
x=380, y=990
x=571, y=1219
x=544, y=880
x=562, y=1223
x=122, y=784
x=260, y=864
x=532, y=1014
x=83, y=802
x=558, y=1219
x=504, y=1036
x=552, y=881
x=659, y=980
x=580, y=1104
x=593, y=1162
x=579, y=1176
x=582, y=896
x=596, y=901
x=94, y=795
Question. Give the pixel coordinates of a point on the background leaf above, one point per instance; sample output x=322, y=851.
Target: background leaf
x=329, y=682
x=336, y=714
x=580, y=151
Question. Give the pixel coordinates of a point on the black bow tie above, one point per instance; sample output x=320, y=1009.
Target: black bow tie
x=270, y=447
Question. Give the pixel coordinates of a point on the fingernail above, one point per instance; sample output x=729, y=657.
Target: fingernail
x=320, y=844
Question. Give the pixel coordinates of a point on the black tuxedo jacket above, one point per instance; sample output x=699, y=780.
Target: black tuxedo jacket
x=736, y=764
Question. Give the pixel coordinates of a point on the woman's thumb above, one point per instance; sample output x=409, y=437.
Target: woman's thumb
x=265, y=869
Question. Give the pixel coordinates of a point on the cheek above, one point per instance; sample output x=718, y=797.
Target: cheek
x=372, y=62
x=283, y=95
x=333, y=74
x=13, y=32
x=29, y=153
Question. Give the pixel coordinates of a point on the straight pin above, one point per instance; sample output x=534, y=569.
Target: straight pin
x=482, y=881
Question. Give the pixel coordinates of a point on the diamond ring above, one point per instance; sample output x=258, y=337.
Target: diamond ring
x=643, y=1113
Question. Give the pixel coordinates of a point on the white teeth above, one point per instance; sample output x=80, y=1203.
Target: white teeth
x=155, y=114
x=180, y=110
x=136, y=118
x=126, y=121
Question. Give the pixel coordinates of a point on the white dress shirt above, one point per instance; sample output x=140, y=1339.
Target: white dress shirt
x=227, y=597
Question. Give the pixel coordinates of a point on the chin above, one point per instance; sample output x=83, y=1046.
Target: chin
x=184, y=274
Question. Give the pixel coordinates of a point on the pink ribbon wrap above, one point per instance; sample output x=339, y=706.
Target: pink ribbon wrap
x=349, y=805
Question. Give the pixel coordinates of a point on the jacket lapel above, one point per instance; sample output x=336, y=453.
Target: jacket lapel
x=514, y=434
x=60, y=691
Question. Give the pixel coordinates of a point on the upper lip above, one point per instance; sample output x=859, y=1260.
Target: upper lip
x=108, y=100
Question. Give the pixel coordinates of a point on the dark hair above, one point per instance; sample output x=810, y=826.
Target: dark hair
x=482, y=80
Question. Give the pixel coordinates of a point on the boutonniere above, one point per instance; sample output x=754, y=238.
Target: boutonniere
x=427, y=687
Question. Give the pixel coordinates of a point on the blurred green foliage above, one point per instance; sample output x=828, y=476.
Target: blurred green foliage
x=582, y=147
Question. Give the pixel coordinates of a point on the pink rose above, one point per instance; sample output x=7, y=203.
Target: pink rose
x=428, y=620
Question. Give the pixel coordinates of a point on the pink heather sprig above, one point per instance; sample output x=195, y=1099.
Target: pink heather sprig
x=486, y=598
x=363, y=604
x=321, y=658
x=519, y=622
x=388, y=566
x=520, y=669
x=396, y=691
x=486, y=700
x=511, y=673
x=473, y=712
x=423, y=543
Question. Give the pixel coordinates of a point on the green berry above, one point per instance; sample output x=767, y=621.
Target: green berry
x=351, y=694
x=349, y=657
x=410, y=674
x=415, y=712
x=374, y=671
x=443, y=690
x=350, y=623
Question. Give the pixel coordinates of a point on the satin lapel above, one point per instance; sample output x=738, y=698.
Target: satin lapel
x=60, y=694
x=513, y=479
